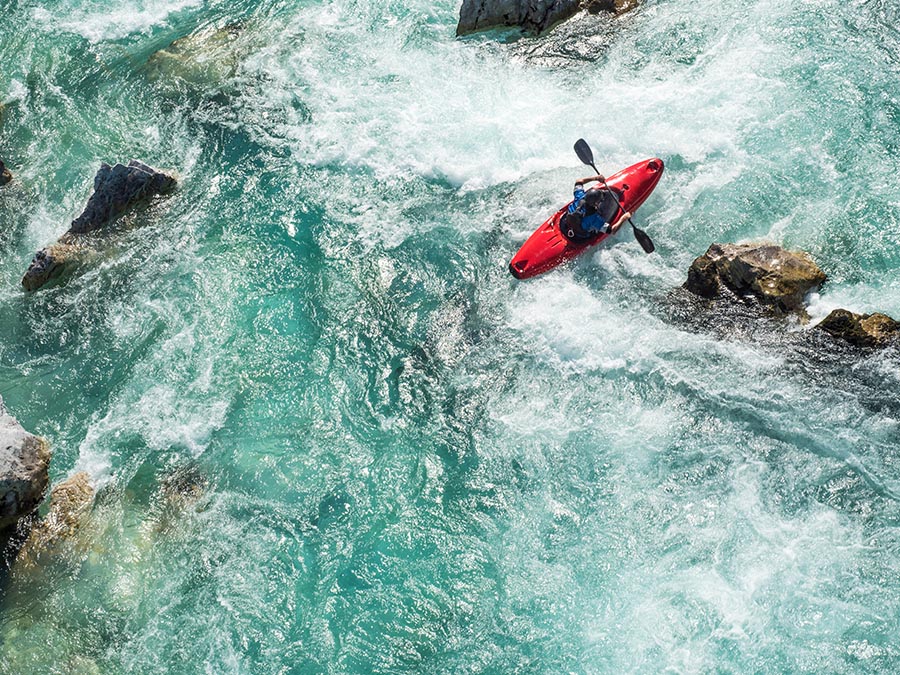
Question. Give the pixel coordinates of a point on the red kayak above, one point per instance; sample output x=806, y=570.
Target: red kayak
x=549, y=247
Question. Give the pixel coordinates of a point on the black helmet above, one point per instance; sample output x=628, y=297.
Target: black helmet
x=593, y=199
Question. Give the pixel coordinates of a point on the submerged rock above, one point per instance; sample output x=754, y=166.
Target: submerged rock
x=117, y=190
x=774, y=276
x=5, y=175
x=69, y=503
x=178, y=492
x=24, y=460
x=205, y=59
x=862, y=330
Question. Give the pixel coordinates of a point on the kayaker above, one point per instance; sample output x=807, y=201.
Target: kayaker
x=585, y=215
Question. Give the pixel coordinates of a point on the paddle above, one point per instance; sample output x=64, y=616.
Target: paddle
x=583, y=150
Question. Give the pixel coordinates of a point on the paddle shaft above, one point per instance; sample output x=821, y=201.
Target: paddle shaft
x=618, y=203
x=583, y=150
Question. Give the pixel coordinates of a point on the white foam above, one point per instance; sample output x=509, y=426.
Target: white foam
x=741, y=572
x=858, y=298
x=414, y=102
x=97, y=21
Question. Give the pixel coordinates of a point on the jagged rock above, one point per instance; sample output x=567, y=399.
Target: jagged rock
x=531, y=15
x=5, y=175
x=117, y=190
x=69, y=502
x=862, y=330
x=24, y=459
x=207, y=58
x=775, y=276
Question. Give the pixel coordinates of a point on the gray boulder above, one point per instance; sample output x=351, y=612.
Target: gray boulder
x=774, y=276
x=117, y=190
x=24, y=460
x=533, y=16
x=862, y=330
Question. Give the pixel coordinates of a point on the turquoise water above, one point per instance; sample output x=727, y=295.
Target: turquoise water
x=331, y=434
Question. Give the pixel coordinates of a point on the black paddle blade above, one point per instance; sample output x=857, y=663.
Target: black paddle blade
x=583, y=150
x=642, y=238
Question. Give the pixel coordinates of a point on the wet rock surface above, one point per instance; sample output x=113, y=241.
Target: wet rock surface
x=776, y=277
x=5, y=175
x=117, y=190
x=50, y=263
x=740, y=279
x=534, y=16
x=70, y=501
x=862, y=330
x=611, y=6
x=24, y=460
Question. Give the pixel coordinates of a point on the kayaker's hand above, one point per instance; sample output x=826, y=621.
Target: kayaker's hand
x=619, y=222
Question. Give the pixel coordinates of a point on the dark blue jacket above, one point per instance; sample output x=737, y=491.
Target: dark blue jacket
x=590, y=223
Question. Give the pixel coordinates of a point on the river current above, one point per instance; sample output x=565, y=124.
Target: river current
x=331, y=434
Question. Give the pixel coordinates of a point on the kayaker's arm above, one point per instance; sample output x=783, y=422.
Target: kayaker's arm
x=619, y=222
x=582, y=181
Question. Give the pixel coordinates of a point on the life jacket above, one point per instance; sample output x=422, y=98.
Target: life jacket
x=597, y=201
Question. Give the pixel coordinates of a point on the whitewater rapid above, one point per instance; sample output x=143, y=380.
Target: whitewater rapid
x=331, y=433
